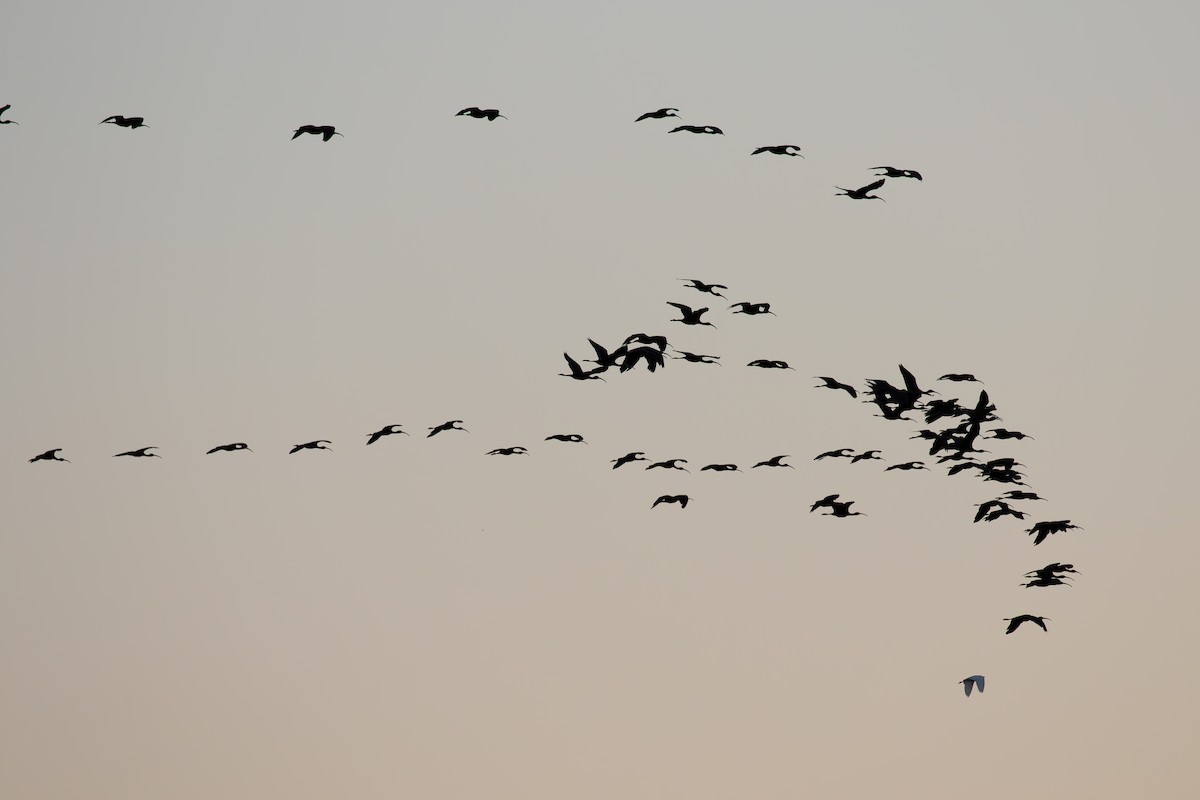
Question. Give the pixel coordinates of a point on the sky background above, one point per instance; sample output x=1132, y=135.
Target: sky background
x=419, y=619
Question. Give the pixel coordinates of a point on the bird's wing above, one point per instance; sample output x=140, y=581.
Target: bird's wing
x=968, y=684
x=573, y=364
x=978, y=679
x=870, y=187
x=685, y=310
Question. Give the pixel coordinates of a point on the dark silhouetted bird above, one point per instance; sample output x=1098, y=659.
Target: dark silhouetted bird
x=126, y=122
x=481, y=113
x=958, y=376
x=230, y=448
x=906, y=466
x=696, y=358
x=1045, y=582
x=861, y=193
x=1016, y=494
x=565, y=437
x=993, y=510
x=1015, y=622
x=766, y=363
x=49, y=455
x=701, y=286
x=866, y=455
x=775, y=461
x=10, y=122
x=839, y=509
x=318, y=444
x=841, y=452
x=779, y=150
x=972, y=682
x=579, y=373
x=637, y=455
x=691, y=316
x=825, y=502
x=452, y=425
x=680, y=499
x=720, y=468
x=642, y=338
x=1002, y=433
x=387, y=430
x=508, y=451
x=831, y=383
x=672, y=463
x=662, y=113
x=1043, y=529
x=1052, y=570
x=326, y=132
x=698, y=129
x=605, y=359
x=753, y=309
x=142, y=452
x=892, y=172
x=651, y=355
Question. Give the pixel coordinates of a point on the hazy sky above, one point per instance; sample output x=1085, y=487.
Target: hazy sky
x=418, y=619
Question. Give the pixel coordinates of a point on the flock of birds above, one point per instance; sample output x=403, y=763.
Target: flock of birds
x=955, y=444
x=327, y=132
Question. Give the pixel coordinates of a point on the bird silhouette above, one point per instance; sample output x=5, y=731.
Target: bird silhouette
x=605, y=359
x=629, y=457
x=579, y=373
x=906, y=466
x=671, y=463
x=831, y=383
x=1003, y=433
x=892, y=172
x=641, y=338
x=125, y=122
x=972, y=682
x=779, y=150
x=841, y=452
x=574, y=438
x=1043, y=529
x=992, y=510
x=1017, y=494
x=691, y=316
x=696, y=358
x=452, y=425
x=867, y=455
x=701, y=286
x=775, y=461
x=720, y=468
x=326, y=132
x=839, y=509
x=508, y=451
x=959, y=376
x=753, y=309
x=8, y=122
x=387, y=430
x=862, y=193
x=142, y=452
x=480, y=113
x=825, y=502
x=698, y=129
x=1045, y=582
x=1052, y=570
x=766, y=363
x=229, y=448
x=1015, y=622
x=651, y=355
x=318, y=444
x=662, y=113
x=49, y=455
x=680, y=499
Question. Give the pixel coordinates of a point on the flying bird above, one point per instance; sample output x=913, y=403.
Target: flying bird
x=720, y=468
x=1043, y=529
x=907, y=465
x=318, y=444
x=698, y=129
x=831, y=383
x=641, y=338
x=578, y=373
x=481, y=113
x=651, y=355
x=672, y=463
x=959, y=376
x=143, y=452
x=862, y=193
x=1015, y=622
x=1003, y=433
x=680, y=499
x=775, y=461
x=780, y=150
x=49, y=455
x=825, y=502
x=229, y=448
x=326, y=132
x=696, y=358
x=701, y=286
x=628, y=457
x=753, y=309
x=767, y=363
x=892, y=172
x=972, y=682
x=387, y=430
x=508, y=451
x=690, y=316
x=125, y=122
x=452, y=425
x=867, y=455
x=839, y=509
x=841, y=452
x=7, y=121
x=662, y=113
x=565, y=437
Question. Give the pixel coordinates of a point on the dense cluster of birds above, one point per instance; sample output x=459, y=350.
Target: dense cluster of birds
x=953, y=443
x=327, y=132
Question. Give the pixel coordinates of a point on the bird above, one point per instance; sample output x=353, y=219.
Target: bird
x=767, y=363
x=326, y=132
x=49, y=455
x=867, y=455
x=831, y=383
x=839, y=509
x=680, y=499
x=720, y=468
x=8, y=122
x=229, y=448
x=1004, y=433
x=698, y=129
x=959, y=376
x=637, y=455
x=753, y=309
x=642, y=338
x=452, y=425
x=992, y=510
x=671, y=463
x=508, y=451
x=1051, y=570
x=701, y=286
x=126, y=122
x=862, y=193
x=690, y=316
x=779, y=150
x=662, y=113
x=825, y=502
x=651, y=355
x=1053, y=580
x=386, y=430
x=907, y=465
x=841, y=452
x=1015, y=622
x=604, y=358
x=775, y=461
x=318, y=444
x=481, y=113
x=1017, y=494
x=696, y=358
x=142, y=452
x=972, y=682
x=578, y=373
x=892, y=172
x=565, y=437
x=1043, y=529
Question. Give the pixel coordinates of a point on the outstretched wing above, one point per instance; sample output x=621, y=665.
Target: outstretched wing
x=870, y=187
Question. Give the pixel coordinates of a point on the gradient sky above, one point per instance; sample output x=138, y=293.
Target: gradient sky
x=417, y=619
